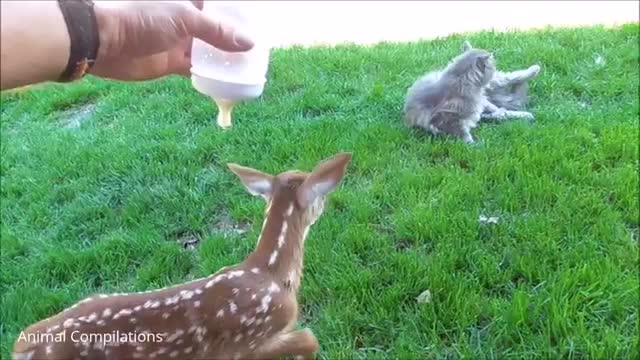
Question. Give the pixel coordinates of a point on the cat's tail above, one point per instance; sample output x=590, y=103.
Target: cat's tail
x=416, y=116
x=449, y=123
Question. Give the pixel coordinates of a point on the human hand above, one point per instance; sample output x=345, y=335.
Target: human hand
x=142, y=40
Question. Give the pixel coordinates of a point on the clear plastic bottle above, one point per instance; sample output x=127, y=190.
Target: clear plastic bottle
x=229, y=78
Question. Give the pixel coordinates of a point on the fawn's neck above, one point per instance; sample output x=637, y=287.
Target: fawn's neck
x=281, y=243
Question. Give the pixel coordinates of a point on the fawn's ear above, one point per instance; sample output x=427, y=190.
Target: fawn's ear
x=323, y=179
x=256, y=182
x=466, y=46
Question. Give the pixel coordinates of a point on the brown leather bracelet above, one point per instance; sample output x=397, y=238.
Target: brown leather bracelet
x=82, y=25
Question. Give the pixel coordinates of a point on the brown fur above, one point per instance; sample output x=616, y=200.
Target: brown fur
x=247, y=310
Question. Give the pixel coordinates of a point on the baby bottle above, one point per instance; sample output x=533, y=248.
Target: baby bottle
x=229, y=78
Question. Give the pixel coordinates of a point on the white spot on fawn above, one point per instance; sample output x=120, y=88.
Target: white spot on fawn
x=186, y=294
x=236, y=273
x=106, y=312
x=232, y=307
x=220, y=313
x=237, y=338
x=53, y=328
x=274, y=288
x=215, y=280
x=172, y=300
x=255, y=270
x=67, y=323
x=92, y=317
x=265, y=304
x=235, y=291
x=283, y=233
x=274, y=256
x=151, y=304
x=124, y=312
x=175, y=335
x=196, y=303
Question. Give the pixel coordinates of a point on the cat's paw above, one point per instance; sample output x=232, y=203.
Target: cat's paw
x=534, y=70
x=468, y=139
x=477, y=144
x=528, y=116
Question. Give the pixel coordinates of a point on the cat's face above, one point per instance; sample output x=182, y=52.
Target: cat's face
x=486, y=63
x=478, y=62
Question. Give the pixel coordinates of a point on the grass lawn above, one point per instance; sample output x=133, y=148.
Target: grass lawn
x=102, y=181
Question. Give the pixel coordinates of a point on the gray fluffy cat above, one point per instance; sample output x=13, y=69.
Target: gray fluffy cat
x=507, y=90
x=452, y=101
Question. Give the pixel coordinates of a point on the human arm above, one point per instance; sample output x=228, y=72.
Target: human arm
x=34, y=43
x=139, y=40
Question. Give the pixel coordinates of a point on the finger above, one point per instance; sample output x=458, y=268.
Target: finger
x=181, y=65
x=220, y=35
x=180, y=58
x=198, y=4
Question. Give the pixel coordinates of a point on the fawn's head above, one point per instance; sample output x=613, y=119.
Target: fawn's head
x=306, y=192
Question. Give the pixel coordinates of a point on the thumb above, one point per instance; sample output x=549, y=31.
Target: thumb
x=220, y=35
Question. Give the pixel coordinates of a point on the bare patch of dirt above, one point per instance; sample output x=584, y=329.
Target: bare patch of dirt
x=635, y=233
x=74, y=117
x=403, y=244
x=226, y=226
x=188, y=241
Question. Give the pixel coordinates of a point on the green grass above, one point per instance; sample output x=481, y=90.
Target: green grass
x=100, y=207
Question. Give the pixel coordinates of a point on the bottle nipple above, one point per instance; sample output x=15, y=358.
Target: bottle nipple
x=225, y=107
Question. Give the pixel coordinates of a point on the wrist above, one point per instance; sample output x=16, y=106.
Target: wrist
x=108, y=32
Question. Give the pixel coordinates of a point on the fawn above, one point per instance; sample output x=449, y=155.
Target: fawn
x=247, y=310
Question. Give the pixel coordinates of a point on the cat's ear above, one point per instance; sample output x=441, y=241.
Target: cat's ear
x=466, y=46
x=483, y=60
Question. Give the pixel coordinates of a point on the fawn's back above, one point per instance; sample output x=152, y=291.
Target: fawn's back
x=243, y=311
